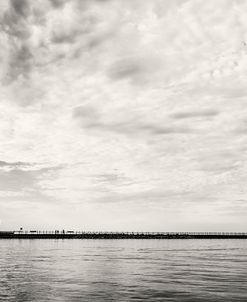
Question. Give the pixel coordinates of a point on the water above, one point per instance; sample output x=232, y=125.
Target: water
x=123, y=270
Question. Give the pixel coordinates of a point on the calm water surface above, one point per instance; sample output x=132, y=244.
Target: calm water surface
x=123, y=270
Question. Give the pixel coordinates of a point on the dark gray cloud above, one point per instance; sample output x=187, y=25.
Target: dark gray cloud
x=58, y=3
x=195, y=114
x=15, y=24
x=217, y=162
x=20, y=63
x=112, y=178
x=125, y=69
x=14, y=20
x=88, y=115
x=137, y=68
x=16, y=180
x=63, y=37
x=21, y=176
x=17, y=165
x=130, y=128
x=163, y=130
x=89, y=118
x=20, y=7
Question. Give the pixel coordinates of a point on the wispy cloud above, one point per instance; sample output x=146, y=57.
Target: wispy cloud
x=195, y=114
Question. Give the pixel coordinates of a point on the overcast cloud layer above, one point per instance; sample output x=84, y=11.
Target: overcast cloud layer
x=123, y=115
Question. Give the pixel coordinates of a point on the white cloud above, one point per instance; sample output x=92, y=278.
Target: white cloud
x=123, y=104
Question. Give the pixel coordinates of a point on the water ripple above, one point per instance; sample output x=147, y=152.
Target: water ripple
x=123, y=270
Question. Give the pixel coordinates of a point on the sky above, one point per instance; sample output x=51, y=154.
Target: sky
x=123, y=115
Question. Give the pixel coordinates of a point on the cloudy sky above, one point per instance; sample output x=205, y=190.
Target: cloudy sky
x=123, y=115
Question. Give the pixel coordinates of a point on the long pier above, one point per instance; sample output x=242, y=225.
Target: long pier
x=118, y=235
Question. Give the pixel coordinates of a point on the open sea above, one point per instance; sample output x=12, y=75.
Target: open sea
x=123, y=270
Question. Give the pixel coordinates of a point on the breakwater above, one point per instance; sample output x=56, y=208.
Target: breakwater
x=118, y=235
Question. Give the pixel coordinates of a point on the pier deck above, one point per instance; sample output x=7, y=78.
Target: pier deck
x=118, y=235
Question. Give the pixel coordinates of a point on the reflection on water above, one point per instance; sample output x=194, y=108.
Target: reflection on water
x=123, y=270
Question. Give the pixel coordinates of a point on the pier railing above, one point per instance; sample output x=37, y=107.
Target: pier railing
x=56, y=232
